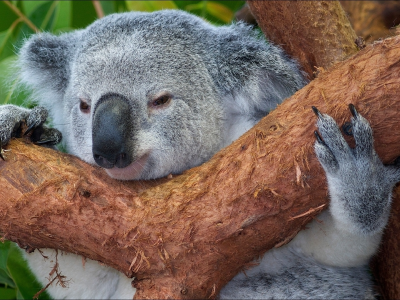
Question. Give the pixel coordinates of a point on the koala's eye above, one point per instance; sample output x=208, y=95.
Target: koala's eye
x=162, y=100
x=84, y=106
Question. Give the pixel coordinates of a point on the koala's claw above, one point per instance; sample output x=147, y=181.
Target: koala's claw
x=316, y=111
x=319, y=139
x=333, y=151
x=353, y=111
x=49, y=137
x=36, y=118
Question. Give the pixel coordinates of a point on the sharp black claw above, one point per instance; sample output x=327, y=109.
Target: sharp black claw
x=353, y=111
x=319, y=139
x=29, y=129
x=44, y=142
x=316, y=111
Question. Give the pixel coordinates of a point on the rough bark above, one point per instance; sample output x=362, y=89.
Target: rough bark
x=316, y=33
x=387, y=263
x=187, y=236
x=373, y=19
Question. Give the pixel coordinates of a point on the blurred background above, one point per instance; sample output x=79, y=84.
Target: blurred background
x=20, y=19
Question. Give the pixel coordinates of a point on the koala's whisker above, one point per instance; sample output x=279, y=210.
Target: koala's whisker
x=61, y=124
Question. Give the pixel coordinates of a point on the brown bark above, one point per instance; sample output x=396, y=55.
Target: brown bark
x=316, y=33
x=187, y=236
x=373, y=19
x=386, y=264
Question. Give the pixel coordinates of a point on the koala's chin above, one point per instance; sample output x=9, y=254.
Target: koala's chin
x=131, y=172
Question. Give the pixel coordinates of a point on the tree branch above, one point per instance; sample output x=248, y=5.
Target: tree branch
x=98, y=8
x=187, y=236
x=316, y=33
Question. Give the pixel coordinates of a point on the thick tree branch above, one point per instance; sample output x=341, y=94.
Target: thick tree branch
x=316, y=33
x=187, y=236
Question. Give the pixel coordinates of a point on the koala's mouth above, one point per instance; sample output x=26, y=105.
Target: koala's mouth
x=130, y=172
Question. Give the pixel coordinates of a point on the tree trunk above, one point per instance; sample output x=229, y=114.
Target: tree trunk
x=316, y=33
x=187, y=236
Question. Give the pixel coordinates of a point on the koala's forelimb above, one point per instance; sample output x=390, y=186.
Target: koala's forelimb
x=189, y=235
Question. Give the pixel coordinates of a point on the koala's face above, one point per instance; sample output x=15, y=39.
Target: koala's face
x=148, y=94
x=141, y=108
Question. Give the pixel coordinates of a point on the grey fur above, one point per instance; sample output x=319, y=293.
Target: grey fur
x=188, y=89
x=302, y=278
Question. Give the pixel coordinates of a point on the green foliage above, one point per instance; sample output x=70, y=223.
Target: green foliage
x=16, y=281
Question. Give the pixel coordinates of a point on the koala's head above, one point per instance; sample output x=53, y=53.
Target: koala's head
x=144, y=95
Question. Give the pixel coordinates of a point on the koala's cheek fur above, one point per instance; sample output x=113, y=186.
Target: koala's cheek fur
x=79, y=139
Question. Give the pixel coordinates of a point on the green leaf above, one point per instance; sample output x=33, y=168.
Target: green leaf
x=5, y=278
x=24, y=280
x=30, y=6
x=108, y=7
x=150, y=6
x=6, y=43
x=8, y=83
x=83, y=14
x=4, y=250
x=7, y=293
x=219, y=11
x=43, y=15
x=63, y=17
x=7, y=16
x=48, y=21
x=19, y=295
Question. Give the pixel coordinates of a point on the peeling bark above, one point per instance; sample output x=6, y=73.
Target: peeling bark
x=187, y=236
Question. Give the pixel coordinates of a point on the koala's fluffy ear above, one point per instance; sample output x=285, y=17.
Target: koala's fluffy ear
x=44, y=63
x=254, y=69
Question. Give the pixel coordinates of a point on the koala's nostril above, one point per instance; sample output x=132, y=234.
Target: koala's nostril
x=122, y=160
x=103, y=162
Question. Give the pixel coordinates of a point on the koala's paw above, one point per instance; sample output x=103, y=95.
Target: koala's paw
x=36, y=118
x=41, y=134
x=11, y=119
x=360, y=185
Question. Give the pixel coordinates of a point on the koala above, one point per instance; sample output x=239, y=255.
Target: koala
x=145, y=95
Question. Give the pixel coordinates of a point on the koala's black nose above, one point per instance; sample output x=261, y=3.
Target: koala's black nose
x=110, y=132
